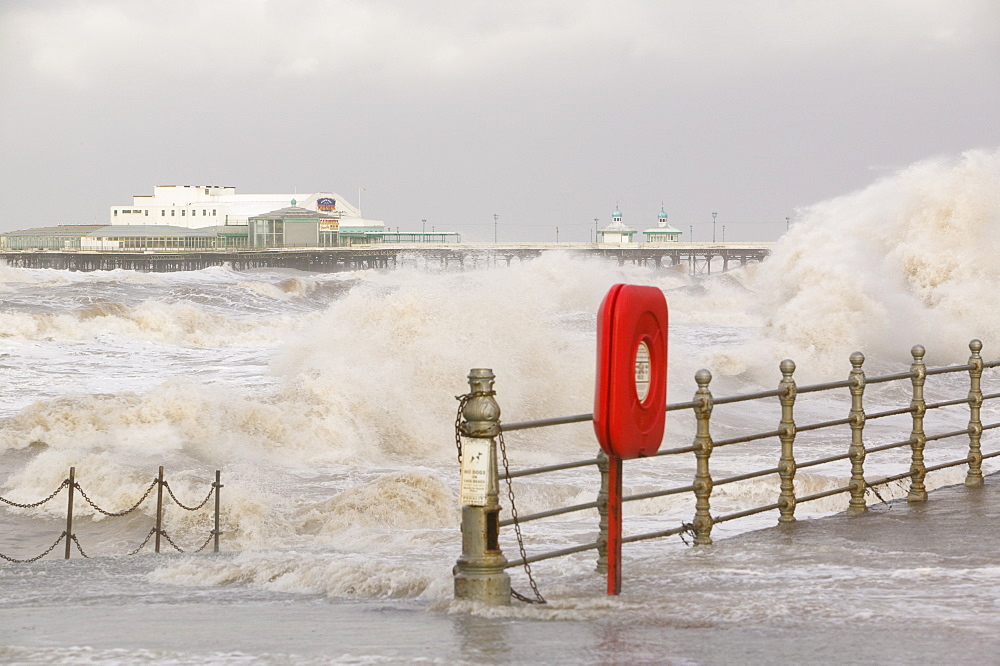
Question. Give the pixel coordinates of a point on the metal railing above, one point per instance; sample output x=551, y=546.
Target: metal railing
x=159, y=483
x=478, y=573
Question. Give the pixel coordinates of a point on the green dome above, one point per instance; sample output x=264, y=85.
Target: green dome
x=617, y=212
x=663, y=214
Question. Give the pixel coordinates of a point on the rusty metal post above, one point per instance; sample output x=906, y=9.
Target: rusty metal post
x=218, y=490
x=918, y=492
x=480, y=574
x=975, y=475
x=857, y=505
x=602, y=509
x=69, y=510
x=702, y=522
x=614, y=572
x=786, y=465
x=159, y=506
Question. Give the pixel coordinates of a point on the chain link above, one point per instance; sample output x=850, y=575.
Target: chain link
x=462, y=400
x=78, y=546
x=166, y=536
x=34, y=504
x=144, y=542
x=37, y=557
x=116, y=514
x=211, y=534
x=539, y=599
x=184, y=506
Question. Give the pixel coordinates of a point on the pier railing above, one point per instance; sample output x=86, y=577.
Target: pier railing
x=480, y=573
x=159, y=484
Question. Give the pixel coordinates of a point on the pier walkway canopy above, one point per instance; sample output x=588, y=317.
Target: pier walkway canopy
x=109, y=238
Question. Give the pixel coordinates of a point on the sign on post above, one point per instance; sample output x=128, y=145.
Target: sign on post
x=475, y=472
x=630, y=398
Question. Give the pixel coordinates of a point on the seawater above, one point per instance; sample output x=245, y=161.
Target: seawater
x=328, y=401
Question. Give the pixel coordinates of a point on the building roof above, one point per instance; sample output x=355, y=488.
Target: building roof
x=295, y=213
x=60, y=230
x=618, y=227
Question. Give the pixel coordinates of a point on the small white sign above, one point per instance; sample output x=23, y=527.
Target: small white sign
x=475, y=472
x=642, y=371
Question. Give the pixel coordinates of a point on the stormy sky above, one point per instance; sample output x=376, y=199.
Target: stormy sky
x=546, y=113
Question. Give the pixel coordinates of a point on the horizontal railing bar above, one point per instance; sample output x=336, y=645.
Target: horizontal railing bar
x=990, y=396
x=824, y=424
x=891, y=412
x=823, y=387
x=748, y=512
x=658, y=493
x=548, y=556
x=550, y=513
x=670, y=452
x=991, y=426
x=953, y=463
x=949, y=368
x=886, y=447
x=749, y=396
x=991, y=364
x=677, y=406
x=746, y=438
x=654, y=535
x=744, y=477
x=949, y=403
x=946, y=435
x=825, y=493
x=549, y=468
x=823, y=461
x=890, y=479
x=542, y=423
x=888, y=378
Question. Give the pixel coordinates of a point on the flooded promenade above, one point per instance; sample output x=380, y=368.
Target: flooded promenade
x=904, y=583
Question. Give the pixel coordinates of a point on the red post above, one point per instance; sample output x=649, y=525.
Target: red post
x=614, y=524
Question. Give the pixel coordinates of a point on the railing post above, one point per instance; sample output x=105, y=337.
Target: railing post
x=614, y=573
x=786, y=465
x=218, y=489
x=857, y=505
x=479, y=574
x=918, y=493
x=159, y=506
x=69, y=510
x=602, y=509
x=702, y=522
x=975, y=475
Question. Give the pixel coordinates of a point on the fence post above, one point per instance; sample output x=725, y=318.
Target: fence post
x=918, y=493
x=614, y=524
x=702, y=522
x=479, y=574
x=856, y=453
x=69, y=510
x=786, y=465
x=159, y=506
x=975, y=475
x=602, y=509
x=218, y=489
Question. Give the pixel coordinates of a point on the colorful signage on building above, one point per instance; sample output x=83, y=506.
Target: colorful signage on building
x=329, y=225
x=326, y=204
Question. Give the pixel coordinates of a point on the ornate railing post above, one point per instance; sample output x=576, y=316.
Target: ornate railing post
x=69, y=509
x=602, y=509
x=702, y=522
x=975, y=475
x=786, y=465
x=479, y=573
x=918, y=493
x=856, y=453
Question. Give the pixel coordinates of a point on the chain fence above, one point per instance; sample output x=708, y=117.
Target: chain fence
x=158, y=484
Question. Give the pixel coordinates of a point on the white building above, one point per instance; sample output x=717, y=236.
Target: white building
x=662, y=232
x=198, y=206
x=617, y=233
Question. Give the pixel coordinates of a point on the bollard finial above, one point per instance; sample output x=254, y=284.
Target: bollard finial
x=918, y=352
x=787, y=368
x=975, y=346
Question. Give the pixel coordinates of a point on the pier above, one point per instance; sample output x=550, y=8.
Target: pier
x=697, y=258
